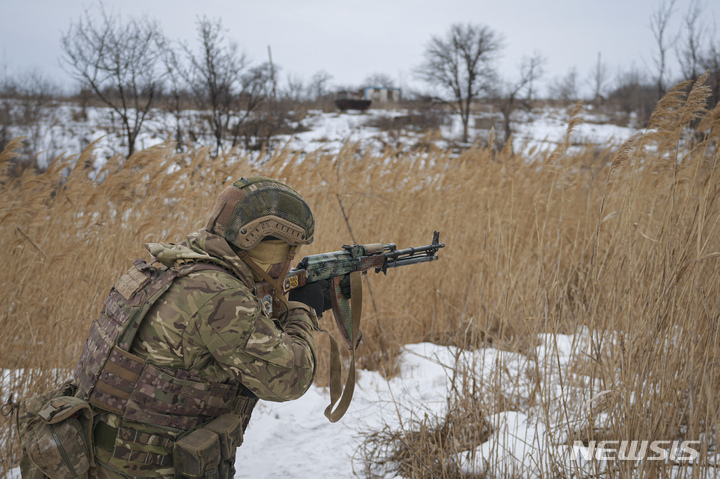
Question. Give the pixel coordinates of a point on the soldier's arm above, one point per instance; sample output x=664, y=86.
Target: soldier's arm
x=276, y=362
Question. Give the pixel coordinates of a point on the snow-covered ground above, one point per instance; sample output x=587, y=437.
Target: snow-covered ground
x=295, y=440
x=545, y=128
x=67, y=129
x=302, y=443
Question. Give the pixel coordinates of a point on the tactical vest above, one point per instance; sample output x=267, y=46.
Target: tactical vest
x=114, y=380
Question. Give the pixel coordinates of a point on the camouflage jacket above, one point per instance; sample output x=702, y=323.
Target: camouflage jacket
x=211, y=324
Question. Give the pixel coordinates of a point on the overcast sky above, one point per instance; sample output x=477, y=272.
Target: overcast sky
x=353, y=39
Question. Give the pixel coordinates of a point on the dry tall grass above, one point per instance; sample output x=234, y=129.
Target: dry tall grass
x=623, y=243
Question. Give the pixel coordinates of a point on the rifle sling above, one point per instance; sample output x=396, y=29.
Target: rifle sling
x=337, y=392
x=335, y=367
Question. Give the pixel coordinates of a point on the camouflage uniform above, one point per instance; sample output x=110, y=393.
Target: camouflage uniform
x=183, y=349
x=211, y=324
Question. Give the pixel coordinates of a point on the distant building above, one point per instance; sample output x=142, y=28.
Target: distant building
x=351, y=100
x=349, y=95
x=362, y=98
x=382, y=94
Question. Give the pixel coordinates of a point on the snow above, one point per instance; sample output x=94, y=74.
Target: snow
x=545, y=129
x=529, y=442
x=299, y=434
x=329, y=131
x=66, y=128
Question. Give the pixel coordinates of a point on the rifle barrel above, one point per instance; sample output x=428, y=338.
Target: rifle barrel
x=395, y=263
x=430, y=249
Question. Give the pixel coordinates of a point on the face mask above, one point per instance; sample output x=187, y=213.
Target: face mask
x=270, y=255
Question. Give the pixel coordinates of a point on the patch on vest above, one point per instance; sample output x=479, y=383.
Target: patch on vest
x=129, y=283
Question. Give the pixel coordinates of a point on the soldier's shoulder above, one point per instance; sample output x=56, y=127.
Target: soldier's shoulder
x=213, y=281
x=224, y=302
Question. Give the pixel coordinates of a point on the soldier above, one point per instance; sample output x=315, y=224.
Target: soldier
x=183, y=349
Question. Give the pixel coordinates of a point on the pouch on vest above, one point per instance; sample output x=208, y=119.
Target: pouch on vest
x=229, y=429
x=57, y=437
x=27, y=419
x=197, y=454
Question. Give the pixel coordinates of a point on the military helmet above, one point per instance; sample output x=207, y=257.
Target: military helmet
x=254, y=208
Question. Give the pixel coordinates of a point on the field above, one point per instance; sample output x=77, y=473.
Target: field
x=618, y=246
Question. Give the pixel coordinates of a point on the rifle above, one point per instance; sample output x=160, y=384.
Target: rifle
x=338, y=268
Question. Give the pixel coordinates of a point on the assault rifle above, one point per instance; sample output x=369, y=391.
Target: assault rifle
x=337, y=267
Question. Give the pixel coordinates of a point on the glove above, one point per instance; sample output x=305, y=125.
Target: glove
x=316, y=295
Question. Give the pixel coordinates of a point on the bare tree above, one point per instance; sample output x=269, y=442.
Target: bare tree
x=565, y=88
x=28, y=107
x=221, y=81
x=599, y=78
x=461, y=64
x=175, y=95
x=658, y=25
x=295, y=89
x=689, y=48
x=121, y=62
x=319, y=84
x=379, y=79
x=531, y=69
x=256, y=86
x=213, y=76
x=634, y=92
x=33, y=92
